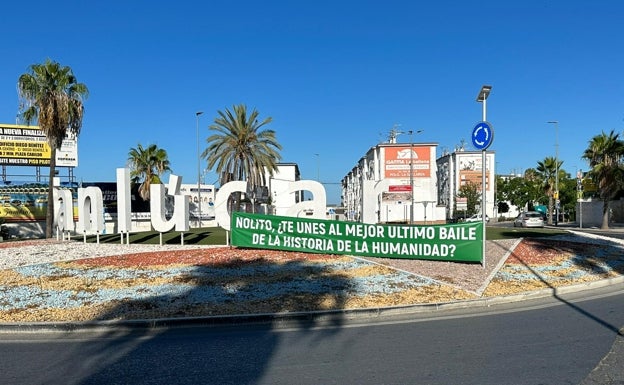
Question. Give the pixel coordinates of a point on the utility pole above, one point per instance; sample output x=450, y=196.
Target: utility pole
x=199, y=223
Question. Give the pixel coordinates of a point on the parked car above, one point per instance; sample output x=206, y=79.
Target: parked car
x=529, y=219
x=477, y=218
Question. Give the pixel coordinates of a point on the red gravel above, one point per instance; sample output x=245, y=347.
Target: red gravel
x=218, y=256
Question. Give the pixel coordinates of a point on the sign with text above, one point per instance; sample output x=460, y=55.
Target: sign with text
x=28, y=146
x=461, y=203
x=399, y=188
x=400, y=160
x=453, y=242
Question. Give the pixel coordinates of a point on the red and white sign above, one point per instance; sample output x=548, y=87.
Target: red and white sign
x=400, y=188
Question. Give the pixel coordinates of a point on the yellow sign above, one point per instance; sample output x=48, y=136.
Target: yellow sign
x=17, y=213
x=589, y=185
x=23, y=146
x=28, y=146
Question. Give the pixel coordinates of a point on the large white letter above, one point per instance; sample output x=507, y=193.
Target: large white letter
x=180, y=216
x=124, y=222
x=64, y=214
x=318, y=204
x=221, y=210
x=90, y=210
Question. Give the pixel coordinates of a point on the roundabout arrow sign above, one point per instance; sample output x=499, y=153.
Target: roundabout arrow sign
x=482, y=135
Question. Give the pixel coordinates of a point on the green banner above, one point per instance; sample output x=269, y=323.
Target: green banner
x=453, y=242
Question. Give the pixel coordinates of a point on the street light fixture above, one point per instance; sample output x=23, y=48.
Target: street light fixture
x=198, y=172
x=556, y=123
x=484, y=93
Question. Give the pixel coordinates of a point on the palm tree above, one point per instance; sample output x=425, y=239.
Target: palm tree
x=547, y=171
x=240, y=149
x=146, y=166
x=605, y=154
x=50, y=94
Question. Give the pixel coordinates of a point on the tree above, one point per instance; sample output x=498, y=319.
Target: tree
x=240, y=149
x=146, y=167
x=604, y=155
x=50, y=94
x=502, y=207
x=547, y=170
x=519, y=191
x=567, y=192
x=472, y=192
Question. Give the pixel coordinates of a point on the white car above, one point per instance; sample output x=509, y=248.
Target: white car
x=477, y=218
x=529, y=219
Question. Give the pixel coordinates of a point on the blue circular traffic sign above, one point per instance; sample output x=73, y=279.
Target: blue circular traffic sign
x=482, y=135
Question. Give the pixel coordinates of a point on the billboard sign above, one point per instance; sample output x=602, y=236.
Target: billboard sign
x=67, y=154
x=455, y=242
x=28, y=146
x=396, y=197
x=397, y=162
x=471, y=170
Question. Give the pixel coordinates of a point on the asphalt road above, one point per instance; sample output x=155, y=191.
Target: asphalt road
x=547, y=341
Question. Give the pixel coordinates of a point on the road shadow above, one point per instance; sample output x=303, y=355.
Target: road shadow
x=220, y=350
x=587, y=256
x=521, y=232
x=603, y=258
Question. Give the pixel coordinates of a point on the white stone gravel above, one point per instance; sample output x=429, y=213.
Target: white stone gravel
x=46, y=251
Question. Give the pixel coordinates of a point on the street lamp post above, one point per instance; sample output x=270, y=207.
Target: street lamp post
x=199, y=223
x=318, y=167
x=411, y=171
x=556, y=123
x=411, y=167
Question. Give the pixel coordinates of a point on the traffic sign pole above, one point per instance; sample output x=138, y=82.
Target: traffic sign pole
x=482, y=137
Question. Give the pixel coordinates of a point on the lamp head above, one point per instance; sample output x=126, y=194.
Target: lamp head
x=484, y=93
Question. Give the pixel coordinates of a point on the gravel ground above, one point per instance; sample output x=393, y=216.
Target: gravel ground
x=467, y=276
x=13, y=254
x=60, y=281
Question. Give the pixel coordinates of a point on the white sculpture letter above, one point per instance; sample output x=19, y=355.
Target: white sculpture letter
x=90, y=210
x=64, y=213
x=124, y=222
x=180, y=217
x=221, y=211
x=318, y=204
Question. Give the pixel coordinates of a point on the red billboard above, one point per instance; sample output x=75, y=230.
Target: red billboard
x=399, y=160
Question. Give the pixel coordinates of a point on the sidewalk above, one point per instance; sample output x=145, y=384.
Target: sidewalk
x=613, y=227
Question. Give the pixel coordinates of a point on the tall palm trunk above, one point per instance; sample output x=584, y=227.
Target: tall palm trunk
x=50, y=208
x=605, y=214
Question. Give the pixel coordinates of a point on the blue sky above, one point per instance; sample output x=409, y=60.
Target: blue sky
x=335, y=76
